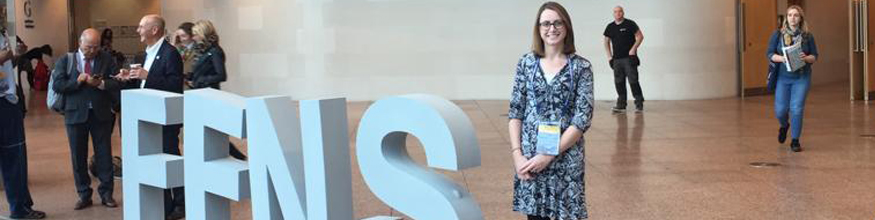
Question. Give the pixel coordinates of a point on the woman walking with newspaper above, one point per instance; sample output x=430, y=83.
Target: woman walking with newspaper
x=793, y=49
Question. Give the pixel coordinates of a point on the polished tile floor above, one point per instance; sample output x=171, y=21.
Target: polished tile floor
x=677, y=160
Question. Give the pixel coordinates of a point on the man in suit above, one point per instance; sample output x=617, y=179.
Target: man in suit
x=161, y=70
x=89, y=90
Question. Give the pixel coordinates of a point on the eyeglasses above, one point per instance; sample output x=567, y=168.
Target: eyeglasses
x=556, y=24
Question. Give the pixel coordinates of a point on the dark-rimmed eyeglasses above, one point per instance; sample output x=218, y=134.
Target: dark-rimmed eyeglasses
x=556, y=24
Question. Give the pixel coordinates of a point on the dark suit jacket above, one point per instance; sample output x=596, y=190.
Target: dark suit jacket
x=166, y=71
x=77, y=96
x=209, y=70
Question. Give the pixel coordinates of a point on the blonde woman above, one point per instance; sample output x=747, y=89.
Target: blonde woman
x=209, y=66
x=792, y=87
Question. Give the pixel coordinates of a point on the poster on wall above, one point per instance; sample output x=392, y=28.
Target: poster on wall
x=127, y=31
x=99, y=24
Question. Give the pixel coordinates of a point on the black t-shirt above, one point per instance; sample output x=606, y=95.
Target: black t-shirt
x=622, y=37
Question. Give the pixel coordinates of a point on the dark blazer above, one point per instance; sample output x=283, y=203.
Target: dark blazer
x=77, y=96
x=808, y=46
x=209, y=69
x=166, y=71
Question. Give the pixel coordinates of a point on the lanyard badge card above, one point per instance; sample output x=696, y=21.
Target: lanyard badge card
x=549, y=132
x=548, y=138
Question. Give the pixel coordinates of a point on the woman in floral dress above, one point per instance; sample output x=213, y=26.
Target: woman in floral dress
x=553, y=87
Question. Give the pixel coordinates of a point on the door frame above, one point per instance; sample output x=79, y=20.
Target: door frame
x=743, y=46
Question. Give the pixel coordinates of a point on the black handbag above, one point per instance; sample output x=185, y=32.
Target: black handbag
x=772, y=81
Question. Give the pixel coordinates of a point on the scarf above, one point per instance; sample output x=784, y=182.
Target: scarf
x=790, y=36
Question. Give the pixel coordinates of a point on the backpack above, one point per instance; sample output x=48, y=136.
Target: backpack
x=55, y=100
x=40, y=76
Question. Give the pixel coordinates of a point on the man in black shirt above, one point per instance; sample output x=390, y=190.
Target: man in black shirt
x=623, y=36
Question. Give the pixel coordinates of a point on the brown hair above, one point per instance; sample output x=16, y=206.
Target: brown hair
x=186, y=27
x=538, y=43
x=803, y=26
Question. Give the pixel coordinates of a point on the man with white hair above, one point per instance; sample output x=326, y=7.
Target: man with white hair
x=89, y=90
x=161, y=70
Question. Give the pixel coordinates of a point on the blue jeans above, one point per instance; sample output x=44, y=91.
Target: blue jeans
x=13, y=158
x=790, y=93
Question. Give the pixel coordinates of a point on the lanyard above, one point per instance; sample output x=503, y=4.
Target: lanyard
x=550, y=88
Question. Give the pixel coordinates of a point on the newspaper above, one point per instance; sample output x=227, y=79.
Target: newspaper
x=793, y=55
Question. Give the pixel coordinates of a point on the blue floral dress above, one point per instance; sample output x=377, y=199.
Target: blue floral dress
x=557, y=191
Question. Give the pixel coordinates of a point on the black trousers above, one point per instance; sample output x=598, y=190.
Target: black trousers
x=172, y=197
x=13, y=158
x=623, y=69
x=101, y=132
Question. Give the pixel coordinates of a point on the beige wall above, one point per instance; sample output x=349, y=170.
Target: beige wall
x=829, y=23
x=81, y=17
x=367, y=49
x=9, y=23
x=115, y=13
x=52, y=26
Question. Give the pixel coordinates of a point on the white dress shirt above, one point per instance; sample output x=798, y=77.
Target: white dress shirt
x=80, y=66
x=151, y=56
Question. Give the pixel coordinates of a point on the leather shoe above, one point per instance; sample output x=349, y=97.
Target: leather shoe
x=31, y=214
x=82, y=204
x=109, y=202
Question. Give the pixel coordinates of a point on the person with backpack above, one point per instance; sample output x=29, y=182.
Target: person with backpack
x=41, y=75
x=23, y=63
x=88, y=89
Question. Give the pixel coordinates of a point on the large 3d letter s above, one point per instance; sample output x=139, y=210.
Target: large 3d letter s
x=448, y=138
